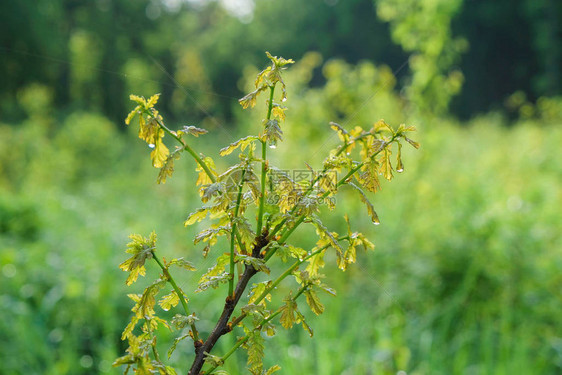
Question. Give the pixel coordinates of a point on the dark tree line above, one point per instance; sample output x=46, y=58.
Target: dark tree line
x=91, y=54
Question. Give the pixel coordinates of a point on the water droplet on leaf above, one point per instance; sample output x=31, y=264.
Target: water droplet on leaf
x=151, y=145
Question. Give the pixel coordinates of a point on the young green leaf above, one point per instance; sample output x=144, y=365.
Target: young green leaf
x=203, y=178
x=288, y=314
x=370, y=209
x=315, y=263
x=300, y=319
x=399, y=165
x=181, y=262
x=258, y=264
x=169, y=301
x=385, y=164
x=196, y=216
x=272, y=132
x=160, y=153
x=142, y=249
x=213, y=282
x=243, y=143
x=192, y=130
x=257, y=290
x=176, y=342
x=314, y=302
x=255, y=345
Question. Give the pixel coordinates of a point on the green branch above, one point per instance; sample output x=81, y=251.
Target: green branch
x=186, y=147
x=179, y=292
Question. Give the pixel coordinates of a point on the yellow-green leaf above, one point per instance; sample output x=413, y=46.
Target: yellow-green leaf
x=181, y=262
x=385, y=164
x=243, y=143
x=315, y=263
x=399, y=165
x=169, y=301
x=138, y=99
x=203, y=178
x=159, y=154
x=288, y=315
x=151, y=102
x=314, y=302
x=368, y=204
x=413, y=143
x=196, y=216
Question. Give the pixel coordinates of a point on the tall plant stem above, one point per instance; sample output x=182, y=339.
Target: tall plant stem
x=233, y=235
x=264, y=164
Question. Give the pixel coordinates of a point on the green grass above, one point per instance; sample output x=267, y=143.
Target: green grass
x=465, y=278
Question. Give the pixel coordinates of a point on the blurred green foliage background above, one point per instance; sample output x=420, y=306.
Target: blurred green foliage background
x=466, y=277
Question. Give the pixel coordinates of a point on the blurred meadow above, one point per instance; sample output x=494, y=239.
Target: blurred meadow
x=466, y=276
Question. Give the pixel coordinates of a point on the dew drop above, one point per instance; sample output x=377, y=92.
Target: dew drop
x=376, y=222
x=151, y=145
x=400, y=170
x=284, y=99
x=272, y=145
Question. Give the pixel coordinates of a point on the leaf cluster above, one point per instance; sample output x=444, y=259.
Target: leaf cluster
x=280, y=203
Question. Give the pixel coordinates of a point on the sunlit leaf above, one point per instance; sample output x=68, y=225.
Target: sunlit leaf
x=180, y=321
x=176, y=342
x=315, y=263
x=181, y=262
x=258, y=264
x=213, y=282
x=381, y=125
x=272, y=369
x=192, y=130
x=255, y=345
x=141, y=248
x=399, y=165
x=272, y=132
x=196, y=216
x=385, y=164
x=288, y=315
x=368, y=177
x=370, y=209
x=159, y=154
x=169, y=301
x=132, y=114
x=203, y=178
x=413, y=143
x=278, y=111
x=250, y=99
x=342, y=133
x=243, y=143
x=151, y=102
x=138, y=99
x=314, y=302
x=257, y=290
x=168, y=168
x=300, y=319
